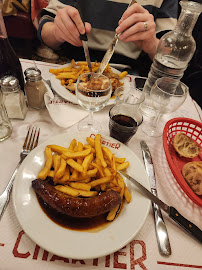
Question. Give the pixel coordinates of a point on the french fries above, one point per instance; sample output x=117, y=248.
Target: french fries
x=84, y=170
x=69, y=75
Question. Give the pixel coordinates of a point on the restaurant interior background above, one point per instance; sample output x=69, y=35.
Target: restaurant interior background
x=30, y=49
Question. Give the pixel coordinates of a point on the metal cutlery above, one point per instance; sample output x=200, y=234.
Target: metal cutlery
x=187, y=225
x=84, y=39
x=111, y=49
x=31, y=141
x=160, y=227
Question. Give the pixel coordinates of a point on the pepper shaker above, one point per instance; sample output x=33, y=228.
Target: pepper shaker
x=13, y=97
x=34, y=88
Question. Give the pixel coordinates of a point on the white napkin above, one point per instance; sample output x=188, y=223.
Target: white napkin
x=63, y=113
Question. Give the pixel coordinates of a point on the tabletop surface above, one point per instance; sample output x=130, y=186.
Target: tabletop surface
x=19, y=252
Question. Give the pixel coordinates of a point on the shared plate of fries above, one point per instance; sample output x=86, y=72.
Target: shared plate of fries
x=81, y=165
x=63, y=79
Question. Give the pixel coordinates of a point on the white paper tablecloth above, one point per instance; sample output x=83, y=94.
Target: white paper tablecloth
x=18, y=252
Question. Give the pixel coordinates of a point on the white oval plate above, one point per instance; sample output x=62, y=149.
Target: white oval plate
x=78, y=244
x=67, y=95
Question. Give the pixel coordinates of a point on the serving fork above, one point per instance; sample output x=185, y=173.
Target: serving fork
x=31, y=141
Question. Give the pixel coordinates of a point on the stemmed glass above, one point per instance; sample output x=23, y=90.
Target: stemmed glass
x=93, y=91
x=166, y=95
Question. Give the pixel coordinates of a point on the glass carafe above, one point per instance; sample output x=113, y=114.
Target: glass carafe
x=9, y=61
x=174, y=51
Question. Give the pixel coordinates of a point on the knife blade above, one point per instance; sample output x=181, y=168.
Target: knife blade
x=84, y=39
x=187, y=225
x=160, y=227
x=111, y=48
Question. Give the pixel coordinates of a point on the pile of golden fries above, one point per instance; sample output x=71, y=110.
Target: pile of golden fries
x=85, y=170
x=69, y=75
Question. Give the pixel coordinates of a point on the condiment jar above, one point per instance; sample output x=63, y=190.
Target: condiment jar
x=34, y=88
x=13, y=97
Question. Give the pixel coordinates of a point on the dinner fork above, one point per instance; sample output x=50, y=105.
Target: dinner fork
x=31, y=141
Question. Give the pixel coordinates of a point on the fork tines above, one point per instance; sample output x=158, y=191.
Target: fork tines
x=32, y=138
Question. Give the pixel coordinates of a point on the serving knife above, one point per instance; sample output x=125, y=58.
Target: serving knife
x=84, y=39
x=187, y=225
x=111, y=48
x=160, y=227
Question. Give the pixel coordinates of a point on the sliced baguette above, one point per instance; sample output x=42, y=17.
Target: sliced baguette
x=185, y=146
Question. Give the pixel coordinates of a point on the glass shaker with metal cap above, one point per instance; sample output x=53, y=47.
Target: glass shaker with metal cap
x=13, y=97
x=34, y=88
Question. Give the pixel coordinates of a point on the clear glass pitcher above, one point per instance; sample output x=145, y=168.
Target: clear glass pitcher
x=174, y=51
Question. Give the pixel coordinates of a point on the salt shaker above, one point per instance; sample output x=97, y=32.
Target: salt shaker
x=34, y=88
x=13, y=97
x=5, y=123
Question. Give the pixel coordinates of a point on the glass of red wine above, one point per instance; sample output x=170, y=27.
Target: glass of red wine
x=125, y=117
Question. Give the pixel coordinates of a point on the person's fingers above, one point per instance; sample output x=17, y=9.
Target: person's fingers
x=130, y=21
x=75, y=17
x=66, y=28
x=88, y=27
x=135, y=8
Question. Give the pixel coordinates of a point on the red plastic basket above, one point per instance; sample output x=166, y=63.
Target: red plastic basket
x=193, y=129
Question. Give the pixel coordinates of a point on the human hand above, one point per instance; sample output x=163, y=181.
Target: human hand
x=137, y=25
x=68, y=26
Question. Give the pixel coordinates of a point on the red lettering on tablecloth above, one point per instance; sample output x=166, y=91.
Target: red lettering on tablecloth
x=15, y=249
x=117, y=264
x=75, y=261
x=107, y=263
x=55, y=257
x=36, y=252
x=138, y=261
x=2, y=245
x=45, y=255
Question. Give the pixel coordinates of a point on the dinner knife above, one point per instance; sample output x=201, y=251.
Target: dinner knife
x=191, y=228
x=160, y=227
x=84, y=40
x=111, y=49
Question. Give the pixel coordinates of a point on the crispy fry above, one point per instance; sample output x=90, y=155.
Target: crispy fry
x=119, y=160
x=61, y=170
x=73, y=144
x=85, y=193
x=107, y=153
x=49, y=160
x=112, y=214
x=101, y=181
x=58, y=149
x=127, y=194
x=87, y=160
x=122, y=166
x=90, y=141
x=75, y=165
x=68, y=190
x=81, y=186
x=98, y=150
x=123, y=74
x=70, y=154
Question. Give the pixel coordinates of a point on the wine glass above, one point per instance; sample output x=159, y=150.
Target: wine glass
x=93, y=91
x=167, y=95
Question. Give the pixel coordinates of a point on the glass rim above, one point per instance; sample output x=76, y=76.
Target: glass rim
x=139, y=100
x=172, y=94
x=95, y=90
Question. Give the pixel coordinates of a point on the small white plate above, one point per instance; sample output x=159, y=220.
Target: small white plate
x=67, y=95
x=78, y=244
